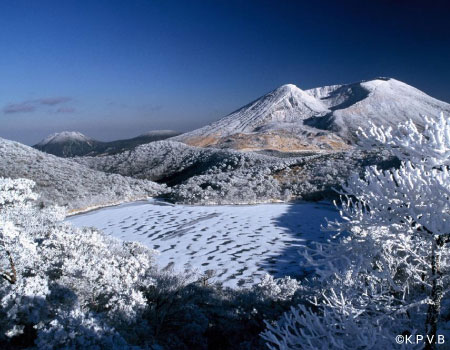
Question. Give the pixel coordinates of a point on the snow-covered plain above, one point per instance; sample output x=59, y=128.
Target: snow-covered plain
x=240, y=243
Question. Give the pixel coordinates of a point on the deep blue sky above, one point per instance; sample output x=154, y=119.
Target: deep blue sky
x=115, y=69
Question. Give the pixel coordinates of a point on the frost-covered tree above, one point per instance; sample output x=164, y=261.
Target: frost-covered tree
x=68, y=288
x=12, y=193
x=57, y=278
x=222, y=176
x=416, y=196
x=389, y=261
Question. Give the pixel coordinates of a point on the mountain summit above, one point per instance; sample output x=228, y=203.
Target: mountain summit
x=64, y=137
x=323, y=118
x=67, y=144
x=384, y=101
x=274, y=121
x=287, y=104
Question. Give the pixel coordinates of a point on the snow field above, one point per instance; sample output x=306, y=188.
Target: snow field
x=239, y=243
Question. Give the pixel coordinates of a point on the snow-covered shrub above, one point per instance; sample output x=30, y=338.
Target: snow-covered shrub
x=67, y=288
x=337, y=325
x=76, y=329
x=389, y=263
x=54, y=275
x=241, y=187
x=184, y=312
x=277, y=288
x=222, y=176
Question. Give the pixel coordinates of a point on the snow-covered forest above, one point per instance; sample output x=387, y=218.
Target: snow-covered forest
x=212, y=176
x=182, y=174
x=383, y=273
x=66, y=183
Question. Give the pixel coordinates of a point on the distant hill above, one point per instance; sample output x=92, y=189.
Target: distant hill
x=289, y=119
x=71, y=143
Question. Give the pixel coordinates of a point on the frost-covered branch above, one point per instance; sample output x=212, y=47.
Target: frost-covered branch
x=11, y=277
x=389, y=260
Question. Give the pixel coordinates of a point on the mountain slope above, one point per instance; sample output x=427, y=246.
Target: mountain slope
x=173, y=162
x=223, y=176
x=67, y=144
x=320, y=119
x=274, y=121
x=118, y=146
x=66, y=183
x=71, y=143
x=384, y=101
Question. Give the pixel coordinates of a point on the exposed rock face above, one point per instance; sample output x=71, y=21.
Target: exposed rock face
x=320, y=119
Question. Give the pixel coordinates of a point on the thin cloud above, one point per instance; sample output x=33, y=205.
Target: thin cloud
x=24, y=107
x=52, y=101
x=32, y=105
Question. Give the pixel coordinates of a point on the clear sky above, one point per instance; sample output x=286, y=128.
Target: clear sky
x=115, y=69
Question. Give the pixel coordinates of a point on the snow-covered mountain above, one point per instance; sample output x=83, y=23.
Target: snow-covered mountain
x=67, y=183
x=73, y=143
x=324, y=118
x=63, y=137
x=114, y=147
x=274, y=121
x=384, y=101
x=67, y=144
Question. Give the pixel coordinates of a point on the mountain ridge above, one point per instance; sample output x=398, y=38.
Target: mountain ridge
x=321, y=119
x=67, y=183
x=64, y=136
x=68, y=144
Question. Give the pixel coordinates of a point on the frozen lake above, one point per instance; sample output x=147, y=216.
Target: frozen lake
x=237, y=242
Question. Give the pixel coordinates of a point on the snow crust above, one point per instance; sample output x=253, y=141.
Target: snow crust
x=237, y=242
